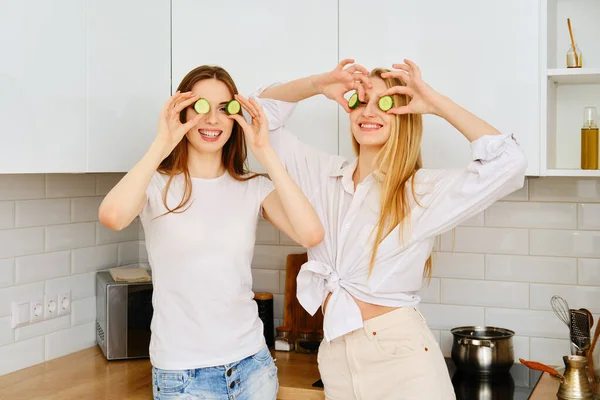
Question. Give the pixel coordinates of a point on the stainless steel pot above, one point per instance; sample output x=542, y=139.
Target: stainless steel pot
x=482, y=350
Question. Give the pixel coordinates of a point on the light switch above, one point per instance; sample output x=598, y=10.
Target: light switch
x=20, y=313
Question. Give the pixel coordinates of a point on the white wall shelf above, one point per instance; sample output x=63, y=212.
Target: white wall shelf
x=574, y=172
x=575, y=75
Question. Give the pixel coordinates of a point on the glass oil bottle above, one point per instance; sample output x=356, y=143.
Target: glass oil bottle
x=589, y=139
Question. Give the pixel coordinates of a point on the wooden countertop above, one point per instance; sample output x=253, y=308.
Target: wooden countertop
x=88, y=375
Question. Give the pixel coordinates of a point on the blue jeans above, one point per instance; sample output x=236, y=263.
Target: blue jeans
x=253, y=378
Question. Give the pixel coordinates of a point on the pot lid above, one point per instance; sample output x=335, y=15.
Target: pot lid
x=482, y=332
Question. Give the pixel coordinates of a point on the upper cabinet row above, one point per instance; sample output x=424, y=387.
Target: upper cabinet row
x=83, y=82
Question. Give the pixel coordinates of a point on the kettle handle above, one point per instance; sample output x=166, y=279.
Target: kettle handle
x=476, y=342
x=541, y=367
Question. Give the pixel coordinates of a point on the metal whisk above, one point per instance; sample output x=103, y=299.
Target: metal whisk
x=561, y=309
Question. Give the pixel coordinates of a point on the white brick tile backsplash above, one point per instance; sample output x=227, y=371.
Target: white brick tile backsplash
x=94, y=258
x=83, y=311
x=42, y=212
x=549, y=351
x=7, y=214
x=458, y=265
x=282, y=275
x=446, y=340
x=487, y=240
x=588, y=217
x=589, y=271
x=19, y=293
x=42, y=328
x=273, y=257
x=21, y=355
x=565, y=243
x=574, y=190
x=485, y=293
x=7, y=272
x=105, y=182
x=436, y=334
x=70, y=185
x=141, y=233
x=477, y=220
x=43, y=266
x=128, y=253
x=530, y=269
x=20, y=187
x=81, y=285
x=286, y=240
x=577, y=296
x=519, y=195
x=431, y=293
x=21, y=242
x=266, y=233
x=527, y=322
x=443, y=316
x=6, y=332
x=532, y=215
x=70, y=236
x=265, y=280
x=85, y=209
x=106, y=236
x=143, y=252
x=278, y=306
x=70, y=340
x=521, y=347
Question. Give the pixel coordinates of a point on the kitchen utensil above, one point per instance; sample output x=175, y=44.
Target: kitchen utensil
x=561, y=309
x=574, y=55
x=590, y=316
x=594, y=381
x=580, y=332
x=574, y=383
x=482, y=350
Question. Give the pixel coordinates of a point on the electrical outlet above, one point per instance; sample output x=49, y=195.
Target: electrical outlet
x=36, y=311
x=50, y=306
x=20, y=313
x=64, y=303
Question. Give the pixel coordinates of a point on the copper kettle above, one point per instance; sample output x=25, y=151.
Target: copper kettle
x=574, y=382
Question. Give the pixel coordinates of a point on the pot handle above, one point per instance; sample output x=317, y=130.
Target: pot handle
x=476, y=342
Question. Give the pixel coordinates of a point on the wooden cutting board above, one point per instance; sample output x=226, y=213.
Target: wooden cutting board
x=294, y=315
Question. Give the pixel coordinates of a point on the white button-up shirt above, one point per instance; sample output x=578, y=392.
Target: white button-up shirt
x=340, y=264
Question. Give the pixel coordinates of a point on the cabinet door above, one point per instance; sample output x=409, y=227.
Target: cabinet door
x=260, y=43
x=42, y=76
x=128, y=79
x=482, y=54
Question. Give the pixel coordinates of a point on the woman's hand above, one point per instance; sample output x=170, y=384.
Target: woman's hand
x=257, y=133
x=170, y=128
x=335, y=84
x=424, y=99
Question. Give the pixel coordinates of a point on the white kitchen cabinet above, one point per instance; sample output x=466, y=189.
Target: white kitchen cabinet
x=484, y=55
x=128, y=78
x=260, y=43
x=43, y=86
x=567, y=91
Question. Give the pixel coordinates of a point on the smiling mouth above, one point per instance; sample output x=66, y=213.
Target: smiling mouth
x=210, y=135
x=370, y=127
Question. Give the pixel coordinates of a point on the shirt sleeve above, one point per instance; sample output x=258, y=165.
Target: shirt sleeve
x=265, y=188
x=449, y=197
x=154, y=202
x=305, y=164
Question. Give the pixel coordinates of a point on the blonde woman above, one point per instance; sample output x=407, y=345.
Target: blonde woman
x=381, y=214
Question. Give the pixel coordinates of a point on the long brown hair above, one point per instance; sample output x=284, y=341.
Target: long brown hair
x=395, y=164
x=233, y=153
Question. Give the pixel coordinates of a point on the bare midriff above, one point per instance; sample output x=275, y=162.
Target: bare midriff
x=367, y=310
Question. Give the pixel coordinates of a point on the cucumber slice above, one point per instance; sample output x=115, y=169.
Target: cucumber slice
x=201, y=106
x=353, y=101
x=233, y=107
x=385, y=103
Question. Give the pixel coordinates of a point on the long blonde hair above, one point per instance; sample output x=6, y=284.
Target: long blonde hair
x=395, y=164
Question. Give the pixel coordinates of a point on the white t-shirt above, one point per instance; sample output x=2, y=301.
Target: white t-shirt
x=204, y=312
